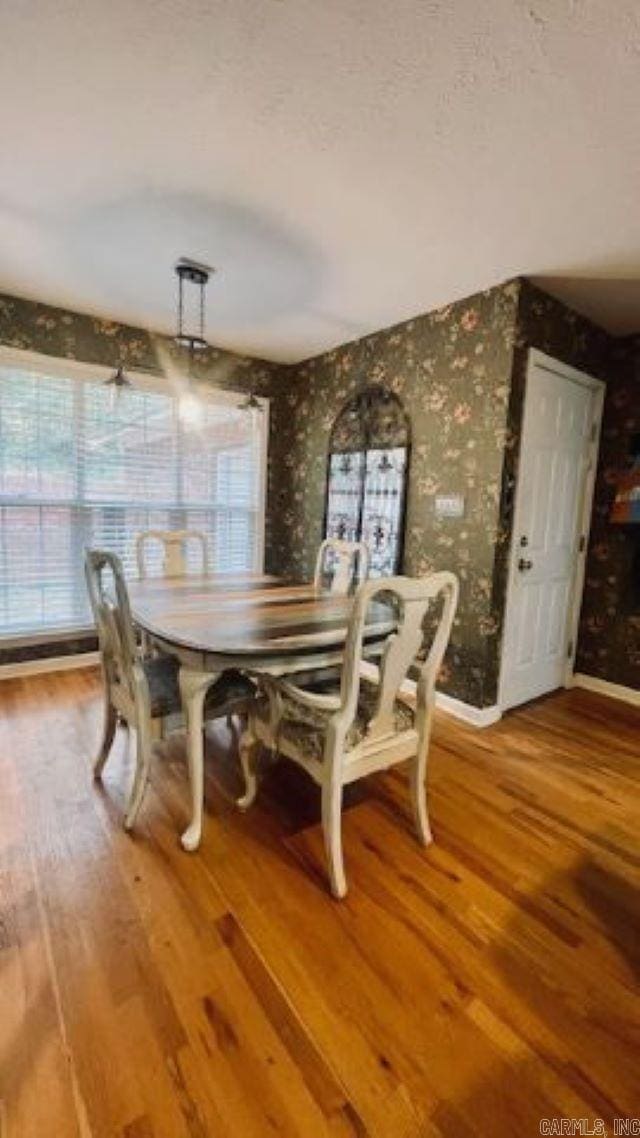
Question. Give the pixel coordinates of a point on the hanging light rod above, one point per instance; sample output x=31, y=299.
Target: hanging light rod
x=191, y=336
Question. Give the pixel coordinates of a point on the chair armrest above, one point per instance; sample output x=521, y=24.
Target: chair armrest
x=308, y=698
x=317, y=699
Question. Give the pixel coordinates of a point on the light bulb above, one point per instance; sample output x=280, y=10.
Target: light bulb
x=190, y=410
x=114, y=398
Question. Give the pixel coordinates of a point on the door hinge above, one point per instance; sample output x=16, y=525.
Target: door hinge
x=570, y=649
x=582, y=544
x=594, y=430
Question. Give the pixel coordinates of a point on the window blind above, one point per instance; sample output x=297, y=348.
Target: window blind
x=78, y=468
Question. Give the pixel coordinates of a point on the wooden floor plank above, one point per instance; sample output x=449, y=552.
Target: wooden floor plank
x=469, y=989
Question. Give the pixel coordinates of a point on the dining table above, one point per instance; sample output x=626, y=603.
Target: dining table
x=260, y=624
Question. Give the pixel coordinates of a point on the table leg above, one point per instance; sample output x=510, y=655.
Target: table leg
x=193, y=689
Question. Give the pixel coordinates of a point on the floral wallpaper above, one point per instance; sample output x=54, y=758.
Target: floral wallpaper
x=609, y=640
x=452, y=371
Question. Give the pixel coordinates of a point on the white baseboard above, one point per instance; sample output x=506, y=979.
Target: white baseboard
x=49, y=664
x=604, y=687
x=477, y=716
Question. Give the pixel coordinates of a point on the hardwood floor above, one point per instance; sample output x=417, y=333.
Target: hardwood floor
x=471, y=989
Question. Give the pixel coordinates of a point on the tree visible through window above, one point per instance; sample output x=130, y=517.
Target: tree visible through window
x=77, y=471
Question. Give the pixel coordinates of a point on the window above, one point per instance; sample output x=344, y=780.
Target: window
x=77, y=469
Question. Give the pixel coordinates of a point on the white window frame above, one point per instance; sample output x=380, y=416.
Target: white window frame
x=68, y=368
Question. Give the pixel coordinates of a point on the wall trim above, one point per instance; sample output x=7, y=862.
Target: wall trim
x=49, y=664
x=476, y=716
x=605, y=687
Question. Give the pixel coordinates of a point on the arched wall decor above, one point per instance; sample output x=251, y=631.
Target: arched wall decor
x=367, y=473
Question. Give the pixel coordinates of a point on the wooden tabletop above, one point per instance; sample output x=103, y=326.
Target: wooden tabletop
x=248, y=614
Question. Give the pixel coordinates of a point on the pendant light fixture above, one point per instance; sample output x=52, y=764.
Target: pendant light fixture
x=192, y=282
x=190, y=320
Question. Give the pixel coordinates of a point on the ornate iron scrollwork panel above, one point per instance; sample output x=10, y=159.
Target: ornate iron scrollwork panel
x=367, y=477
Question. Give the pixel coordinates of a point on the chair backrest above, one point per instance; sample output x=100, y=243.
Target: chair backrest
x=112, y=614
x=174, y=542
x=348, y=563
x=415, y=600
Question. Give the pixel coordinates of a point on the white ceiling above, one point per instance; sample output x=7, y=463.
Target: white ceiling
x=345, y=163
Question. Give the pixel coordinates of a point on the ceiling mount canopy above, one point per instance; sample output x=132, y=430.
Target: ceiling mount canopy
x=192, y=282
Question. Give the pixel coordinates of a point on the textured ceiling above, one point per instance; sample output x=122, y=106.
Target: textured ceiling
x=344, y=164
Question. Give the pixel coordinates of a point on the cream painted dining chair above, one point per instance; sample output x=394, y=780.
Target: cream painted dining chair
x=173, y=543
x=142, y=690
x=345, y=562
x=369, y=721
x=174, y=550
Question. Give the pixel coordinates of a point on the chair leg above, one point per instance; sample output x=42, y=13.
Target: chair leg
x=108, y=733
x=248, y=754
x=418, y=779
x=144, y=746
x=332, y=829
x=193, y=689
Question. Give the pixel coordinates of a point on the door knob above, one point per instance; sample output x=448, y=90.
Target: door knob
x=524, y=565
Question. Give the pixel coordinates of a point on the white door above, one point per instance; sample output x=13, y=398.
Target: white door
x=553, y=502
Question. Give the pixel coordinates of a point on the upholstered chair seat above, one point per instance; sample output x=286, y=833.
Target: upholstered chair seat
x=162, y=679
x=305, y=728
x=164, y=692
x=229, y=689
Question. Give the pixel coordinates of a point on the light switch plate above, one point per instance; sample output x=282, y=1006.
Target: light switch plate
x=450, y=505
